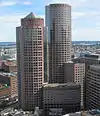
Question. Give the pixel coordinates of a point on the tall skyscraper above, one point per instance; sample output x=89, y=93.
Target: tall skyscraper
x=30, y=61
x=58, y=21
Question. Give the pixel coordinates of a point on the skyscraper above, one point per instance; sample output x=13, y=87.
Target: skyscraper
x=30, y=61
x=58, y=18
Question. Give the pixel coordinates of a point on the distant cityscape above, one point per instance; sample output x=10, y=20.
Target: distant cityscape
x=73, y=42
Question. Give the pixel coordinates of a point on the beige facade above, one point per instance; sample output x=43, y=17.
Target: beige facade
x=79, y=75
x=30, y=54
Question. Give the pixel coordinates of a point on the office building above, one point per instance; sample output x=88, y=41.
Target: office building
x=93, y=87
x=10, y=80
x=9, y=66
x=18, y=34
x=47, y=22
x=46, y=55
x=31, y=58
x=61, y=97
x=79, y=75
x=5, y=91
x=58, y=21
x=69, y=72
x=88, y=59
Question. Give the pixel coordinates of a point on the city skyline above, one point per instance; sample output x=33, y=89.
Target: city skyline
x=85, y=17
x=54, y=75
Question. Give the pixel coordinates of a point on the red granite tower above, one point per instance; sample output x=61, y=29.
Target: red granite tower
x=30, y=61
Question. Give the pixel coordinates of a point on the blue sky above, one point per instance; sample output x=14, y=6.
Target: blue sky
x=85, y=17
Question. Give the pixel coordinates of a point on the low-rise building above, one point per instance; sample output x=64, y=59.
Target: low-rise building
x=15, y=112
x=94, y=112
x=4, y=91
x=61, y=98
x=9, y=66
x=10, y=80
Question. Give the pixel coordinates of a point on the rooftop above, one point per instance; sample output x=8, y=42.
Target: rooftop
x=10, y=63
x=15, y=112
x=30, y=16
x=94, y=112
x=70, y=84
x=3, y=86
x=95, y=67
x=7, y=74
x=59, y=4
x=95, y=56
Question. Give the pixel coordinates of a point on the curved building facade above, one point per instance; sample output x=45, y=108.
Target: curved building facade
x=59, y=26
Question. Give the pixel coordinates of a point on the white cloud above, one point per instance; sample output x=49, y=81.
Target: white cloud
x=8, y=3
x=13, y=18
x=8, y=23
x=73, y=3
x=14, y=2
x=86, y=34
x=91, y=15
x=76, y=15
x=27, y=3
x=90, y=32
x=8, y=26
x=93, y=5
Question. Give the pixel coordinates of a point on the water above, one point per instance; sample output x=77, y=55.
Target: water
x=74, y=42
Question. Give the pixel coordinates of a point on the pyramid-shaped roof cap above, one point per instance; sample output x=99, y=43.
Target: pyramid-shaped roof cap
x=30, y=16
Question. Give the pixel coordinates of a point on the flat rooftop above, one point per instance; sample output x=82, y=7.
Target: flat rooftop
x=95, y=67
x=94, y=112
x=7, y=74
x=3, y=86
x=60, y=85
x=56, y=4
x=95, y=56
x=15, y=112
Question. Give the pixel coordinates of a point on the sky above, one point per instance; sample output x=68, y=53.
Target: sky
x=85, y=17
